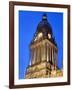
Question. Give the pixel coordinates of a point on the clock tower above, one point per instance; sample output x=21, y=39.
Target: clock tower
x=43, y=52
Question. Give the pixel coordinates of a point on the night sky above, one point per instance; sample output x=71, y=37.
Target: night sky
x=28, y=21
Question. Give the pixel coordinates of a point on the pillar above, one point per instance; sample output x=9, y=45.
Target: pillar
x=52, y=56
x=47, y=53
x=43, y=53
x=38, y=54
x=32, y=56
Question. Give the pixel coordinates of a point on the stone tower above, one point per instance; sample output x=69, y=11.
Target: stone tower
x=43, y=52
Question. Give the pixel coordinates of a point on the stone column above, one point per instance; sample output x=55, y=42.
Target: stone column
x=35, y=56
x=56, y=58
x=38, y=53
x=52, y=56
x=32, y=56
x=50, y=53
x=43, y=53
x=47, y=53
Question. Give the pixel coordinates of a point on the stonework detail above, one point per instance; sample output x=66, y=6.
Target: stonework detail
x=43, y=53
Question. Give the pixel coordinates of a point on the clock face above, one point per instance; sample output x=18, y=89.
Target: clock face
x=40, y=35
x=49, y=36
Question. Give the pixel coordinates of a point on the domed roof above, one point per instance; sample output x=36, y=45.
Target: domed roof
x=44, y=29
x=44, y=26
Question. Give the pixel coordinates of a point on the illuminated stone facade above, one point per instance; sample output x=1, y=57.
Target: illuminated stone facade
x=43, y=53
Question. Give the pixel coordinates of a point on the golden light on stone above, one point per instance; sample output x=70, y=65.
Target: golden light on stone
x=49, y=36
x=44, y=54
x=40, y=35
x=35, y=39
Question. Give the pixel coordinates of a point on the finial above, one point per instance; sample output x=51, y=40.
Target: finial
x=44, y=17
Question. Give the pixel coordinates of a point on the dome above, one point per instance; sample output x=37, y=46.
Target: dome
x=44, y=26
x=44, y=31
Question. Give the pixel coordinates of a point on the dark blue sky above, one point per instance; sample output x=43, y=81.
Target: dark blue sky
x=28, y=21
